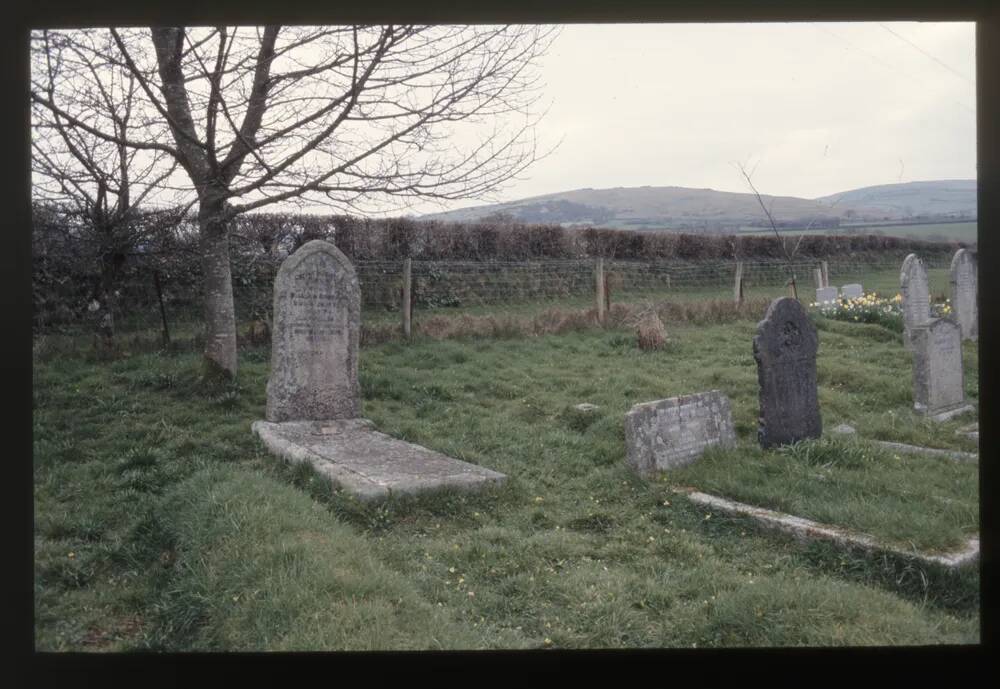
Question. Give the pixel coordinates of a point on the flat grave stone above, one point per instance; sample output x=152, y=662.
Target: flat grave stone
x=785, y=351
x=852, y=291
x=672, y=433
x=964, y=298
x=369, y=464
x=916, y=296
x=826, y=294
x=938, y=378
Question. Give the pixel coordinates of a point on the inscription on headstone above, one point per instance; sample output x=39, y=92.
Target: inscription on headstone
x=672, y=433
x=938, y=380
x=852, y=291
x=964, y=286
x=826, y=294
x=785, y=351
x=314, y=343
x=916, y=296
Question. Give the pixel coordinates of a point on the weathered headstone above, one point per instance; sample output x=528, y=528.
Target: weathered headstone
x=938, y=379
x=964, y=288
x=672, y=433
x=852, y=291
x=826, y=294
x=313, y=400
x=785, y=350
x=916, y=296
x=315, y=337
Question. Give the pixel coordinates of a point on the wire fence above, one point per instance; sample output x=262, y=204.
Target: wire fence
x=452, y=287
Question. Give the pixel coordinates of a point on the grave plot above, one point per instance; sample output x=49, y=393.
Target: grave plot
x=878, y=494
x=908, y=502
x=313, y=412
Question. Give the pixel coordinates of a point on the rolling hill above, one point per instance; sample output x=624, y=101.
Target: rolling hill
x=684, y=208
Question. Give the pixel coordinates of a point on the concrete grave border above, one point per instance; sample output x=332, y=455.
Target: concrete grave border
x=805, y=530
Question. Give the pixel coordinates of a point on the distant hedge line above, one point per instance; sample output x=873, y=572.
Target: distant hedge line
x=67, y=263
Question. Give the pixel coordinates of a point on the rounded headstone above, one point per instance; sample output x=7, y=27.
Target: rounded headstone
x=785, y=351
x=315, y=337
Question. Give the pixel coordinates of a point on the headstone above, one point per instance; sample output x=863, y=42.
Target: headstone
x=785, y=350
x=826, y=294
x=315, y=337
x=964, y=287
x=916, y=296
x=672, y=433
x=938, y=380
x=852, y=291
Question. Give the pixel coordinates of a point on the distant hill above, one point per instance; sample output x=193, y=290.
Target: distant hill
x=941, y=198
x=707, y=209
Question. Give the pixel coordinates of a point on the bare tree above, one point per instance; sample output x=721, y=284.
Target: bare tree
x=98, y=186
x=781, y=240
x=341, y=115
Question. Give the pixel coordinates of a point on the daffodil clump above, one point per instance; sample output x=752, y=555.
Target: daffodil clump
x=868, y=308
x=873, y=308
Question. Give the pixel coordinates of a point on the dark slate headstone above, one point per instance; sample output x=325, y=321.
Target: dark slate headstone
x=314, y=342
x=785, y=350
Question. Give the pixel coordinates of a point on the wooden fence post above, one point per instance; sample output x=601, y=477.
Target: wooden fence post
x=818, y=274
x=601, y=291
x=826, y=274
x=738, y=284
x=407, y=302
x=163, y=311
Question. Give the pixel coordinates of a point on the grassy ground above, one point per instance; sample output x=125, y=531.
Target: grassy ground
x=162, y=524
x=959, y=231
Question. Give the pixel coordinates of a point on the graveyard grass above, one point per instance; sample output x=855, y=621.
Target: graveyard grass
x=163, y=524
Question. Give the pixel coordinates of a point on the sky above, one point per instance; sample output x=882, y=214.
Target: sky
x=812, y=109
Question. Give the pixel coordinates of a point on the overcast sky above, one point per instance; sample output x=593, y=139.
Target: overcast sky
x=817, y=108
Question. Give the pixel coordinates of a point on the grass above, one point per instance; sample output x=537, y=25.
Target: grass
x=959, y=232
x=155, y=507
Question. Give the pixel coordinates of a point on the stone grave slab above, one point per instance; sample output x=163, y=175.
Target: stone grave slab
x=369, y=464
x=672, y=433
x=964, y=298
x=852, y=291
x=785, y=349
x=938, y=378
x=826, y=294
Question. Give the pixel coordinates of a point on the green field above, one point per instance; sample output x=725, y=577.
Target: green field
x=959, y=232
x=162, y=524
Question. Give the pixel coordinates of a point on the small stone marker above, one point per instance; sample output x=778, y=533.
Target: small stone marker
x=916, y=296
x=938, y=379
x=672, y=433
x=844, y=429
x=963, y=293
x=785, y=350
x=313, y=399
x=826, y=294
x=586, y=407
x=314, y=341
x=852, y=291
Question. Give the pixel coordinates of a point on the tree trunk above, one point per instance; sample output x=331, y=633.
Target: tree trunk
x=220, y=313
